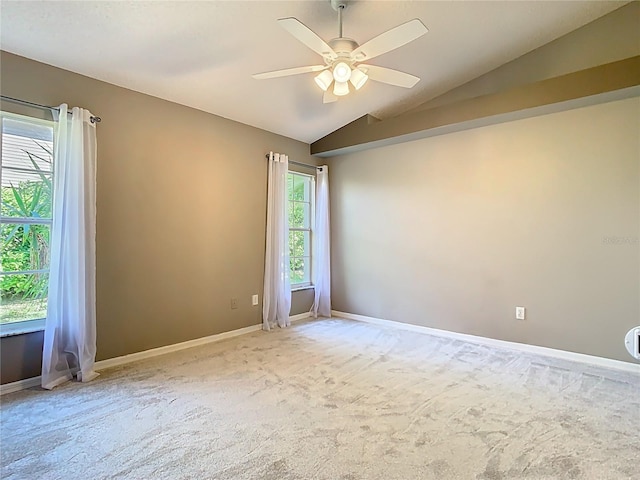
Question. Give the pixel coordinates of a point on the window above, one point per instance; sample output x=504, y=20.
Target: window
x=300, y=189
x=26, y=174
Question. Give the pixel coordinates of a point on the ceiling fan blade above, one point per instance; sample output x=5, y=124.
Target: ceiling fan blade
x=387, y=75
x=390, y=40
x=307, y=36
x=289, y=71
x=329, y=97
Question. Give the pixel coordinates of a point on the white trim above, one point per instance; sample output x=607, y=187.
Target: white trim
x=27, y=118
x=26, y=220
x=23, y=272
x=309, y=250
x=154, y=352
x=492, y=342
x=21, y=328
x=19, y=385
x=299, y=316
x=301, y=288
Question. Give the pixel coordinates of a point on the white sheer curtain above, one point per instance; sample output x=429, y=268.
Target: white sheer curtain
x=322, y=247
x=70, y=331
x=277, y=285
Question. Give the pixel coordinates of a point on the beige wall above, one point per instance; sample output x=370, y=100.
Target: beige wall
x=454, y=232
x=613, y=37
x=181, y=209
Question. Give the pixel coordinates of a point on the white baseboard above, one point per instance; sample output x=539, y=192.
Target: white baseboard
x=19, y=385
x=154, y=352
x=522, y=347
x=300, y=316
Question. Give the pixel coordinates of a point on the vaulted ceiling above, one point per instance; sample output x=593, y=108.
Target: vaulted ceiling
x=202, y=54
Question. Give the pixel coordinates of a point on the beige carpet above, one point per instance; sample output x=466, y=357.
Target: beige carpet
x=330, y=399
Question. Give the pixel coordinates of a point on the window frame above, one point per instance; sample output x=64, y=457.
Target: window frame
x=31, y=324
x=311, y=203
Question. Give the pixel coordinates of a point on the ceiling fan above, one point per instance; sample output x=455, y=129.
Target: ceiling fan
x=343, y=57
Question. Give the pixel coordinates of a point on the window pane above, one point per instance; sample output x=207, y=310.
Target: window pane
x=26, y=194
x=298, y=244
x=307, y=244
x=300, y=196
x=307, y=189
x=23, y=297
x=26, y=145
x=298, y=188
x=24, y=247
x=298, y=215
x=307, y=215
x=289, y=185
x=300, y=271
x=26, y=159
x=296, y=249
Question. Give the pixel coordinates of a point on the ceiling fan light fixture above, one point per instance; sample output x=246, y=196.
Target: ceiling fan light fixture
x=340, y=89
x=341, y=72
x=341, y=55
x=324, y=79
x=358, y=78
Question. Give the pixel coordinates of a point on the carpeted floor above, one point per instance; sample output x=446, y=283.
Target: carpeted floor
x=330, y=399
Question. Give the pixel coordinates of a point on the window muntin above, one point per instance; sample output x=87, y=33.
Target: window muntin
x=26, y=176
x=300, y=189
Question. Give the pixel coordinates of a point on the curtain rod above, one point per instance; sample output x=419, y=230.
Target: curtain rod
x=306, y=165
x=93, y=119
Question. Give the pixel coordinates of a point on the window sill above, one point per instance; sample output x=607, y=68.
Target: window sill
x=302, y=287
x=20, y=328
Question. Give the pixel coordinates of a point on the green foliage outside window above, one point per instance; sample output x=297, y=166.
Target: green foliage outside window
x=299, y=218
x=25, y=246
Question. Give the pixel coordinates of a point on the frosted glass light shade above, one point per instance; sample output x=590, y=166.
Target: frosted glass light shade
x=341, y=72
x=358, y=78
x=324, y=80
x=341, y=89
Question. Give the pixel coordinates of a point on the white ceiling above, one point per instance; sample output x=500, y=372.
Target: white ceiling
x=202, y=54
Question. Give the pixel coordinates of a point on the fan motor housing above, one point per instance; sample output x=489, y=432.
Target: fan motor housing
x=343, y=46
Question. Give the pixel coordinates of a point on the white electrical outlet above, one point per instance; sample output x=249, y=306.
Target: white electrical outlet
x=254, y=299
x=632, y=342
x=520, y=313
